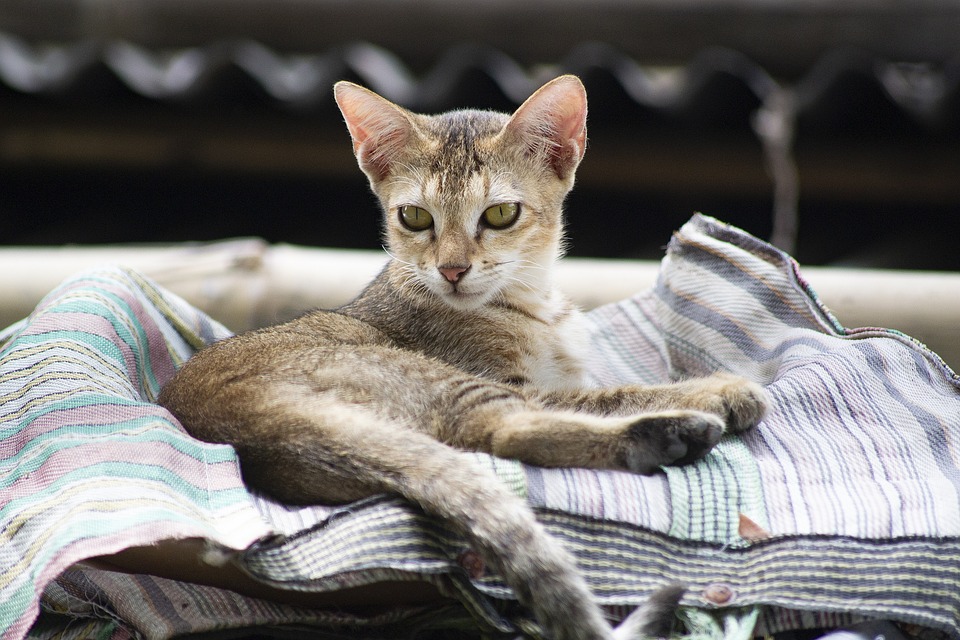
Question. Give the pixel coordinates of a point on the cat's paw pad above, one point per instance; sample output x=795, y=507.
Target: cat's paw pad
x=669, y=438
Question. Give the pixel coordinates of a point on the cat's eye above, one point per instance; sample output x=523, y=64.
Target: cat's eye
x=501, y=216
x=415, y=218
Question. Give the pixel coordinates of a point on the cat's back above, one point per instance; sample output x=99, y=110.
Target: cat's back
x=282, y=351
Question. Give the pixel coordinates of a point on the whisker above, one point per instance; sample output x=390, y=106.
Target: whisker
x=534, y=284
x=404, y=262
x=524, y=283
x=530, y=264
x=411, y=278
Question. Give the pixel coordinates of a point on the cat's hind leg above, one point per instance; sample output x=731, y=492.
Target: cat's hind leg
x=509, y=422
x=640, y=443
x=506, y=421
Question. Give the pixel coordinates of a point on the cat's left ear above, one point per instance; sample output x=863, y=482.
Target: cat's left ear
x=379, y=128
x=552, y=124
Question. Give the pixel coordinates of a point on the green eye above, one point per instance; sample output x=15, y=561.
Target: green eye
x=501, y=216
x=415, y=218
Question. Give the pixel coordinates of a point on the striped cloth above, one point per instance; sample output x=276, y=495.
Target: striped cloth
x=843, y=504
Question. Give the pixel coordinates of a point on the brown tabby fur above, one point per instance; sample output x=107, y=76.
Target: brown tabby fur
x=461, y=343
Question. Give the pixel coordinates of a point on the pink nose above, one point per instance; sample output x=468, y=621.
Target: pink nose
x=453, y=274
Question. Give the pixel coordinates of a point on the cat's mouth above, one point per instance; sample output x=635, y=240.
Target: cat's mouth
x=462, y=293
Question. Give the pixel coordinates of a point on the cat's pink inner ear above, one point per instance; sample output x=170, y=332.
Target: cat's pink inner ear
x=378, y=127
x=553, y=123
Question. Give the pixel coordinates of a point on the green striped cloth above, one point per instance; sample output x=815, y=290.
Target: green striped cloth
x=843, y=504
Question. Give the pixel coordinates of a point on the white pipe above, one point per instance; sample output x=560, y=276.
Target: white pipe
x=247, y=283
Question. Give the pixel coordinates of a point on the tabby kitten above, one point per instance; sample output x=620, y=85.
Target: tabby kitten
x=461, y=343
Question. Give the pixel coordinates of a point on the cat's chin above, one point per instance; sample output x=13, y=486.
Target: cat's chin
x=464, y=300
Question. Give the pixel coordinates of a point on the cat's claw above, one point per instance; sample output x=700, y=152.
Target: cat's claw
x=669, y=438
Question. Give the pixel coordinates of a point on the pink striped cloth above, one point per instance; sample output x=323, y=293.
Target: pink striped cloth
x=850, y=489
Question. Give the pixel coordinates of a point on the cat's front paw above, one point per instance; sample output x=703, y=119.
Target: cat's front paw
x=668, y=438
x=741, y=403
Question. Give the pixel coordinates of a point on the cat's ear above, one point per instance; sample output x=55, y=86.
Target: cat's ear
x=379, y=128
x=552, y=124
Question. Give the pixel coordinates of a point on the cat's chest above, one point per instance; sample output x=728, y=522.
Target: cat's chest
x=554, y=359
x=542, y=343
x=546, y=350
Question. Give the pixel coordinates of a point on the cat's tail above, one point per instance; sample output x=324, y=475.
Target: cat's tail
x=500, y=525
x=543, y=575
x=654, y=618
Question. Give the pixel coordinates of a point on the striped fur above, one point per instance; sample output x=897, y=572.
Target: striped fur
x=461, y=343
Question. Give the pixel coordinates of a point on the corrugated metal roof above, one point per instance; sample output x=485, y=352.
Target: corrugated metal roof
x=148, y=142
x=845, y=90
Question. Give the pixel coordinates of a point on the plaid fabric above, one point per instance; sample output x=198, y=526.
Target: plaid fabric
x=852, y=481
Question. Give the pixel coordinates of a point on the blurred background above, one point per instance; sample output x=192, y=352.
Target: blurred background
x=832, y=128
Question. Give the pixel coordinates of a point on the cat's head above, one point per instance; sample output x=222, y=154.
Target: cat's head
x=472, y=199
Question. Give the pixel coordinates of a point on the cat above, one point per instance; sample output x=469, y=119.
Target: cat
x=462, y=342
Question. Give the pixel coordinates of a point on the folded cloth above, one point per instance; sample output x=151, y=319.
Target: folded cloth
x=844, y=503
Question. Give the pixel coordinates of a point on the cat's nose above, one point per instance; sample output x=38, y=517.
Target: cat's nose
x=453, y=274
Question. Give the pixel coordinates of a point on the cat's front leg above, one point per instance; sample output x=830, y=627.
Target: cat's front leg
x=738, y=401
